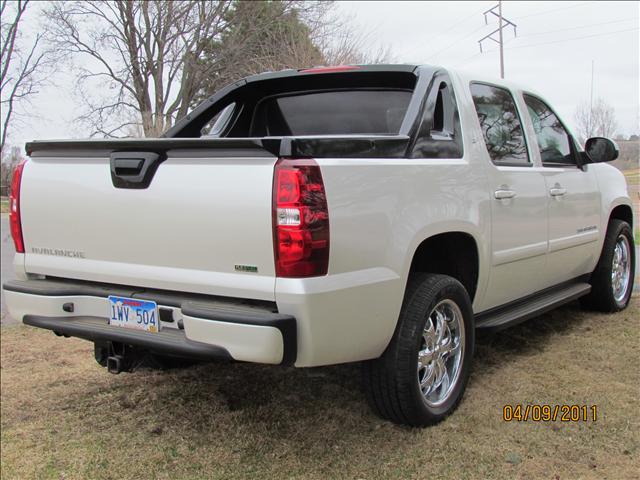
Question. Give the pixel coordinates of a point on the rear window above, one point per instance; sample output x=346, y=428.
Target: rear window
x=332, y=113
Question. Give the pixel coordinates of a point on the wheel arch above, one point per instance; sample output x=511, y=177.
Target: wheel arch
x=453, y=253
x=622, y=212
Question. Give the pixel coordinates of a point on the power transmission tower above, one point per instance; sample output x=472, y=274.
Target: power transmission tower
x=502, y=22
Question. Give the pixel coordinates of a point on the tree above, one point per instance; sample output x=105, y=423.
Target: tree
x=599, y=121
x=9, y=160
x=144, y=55
x=341, y=42
x=148, y=62
x=262, y=36
x=276, y=34
x=22, y=66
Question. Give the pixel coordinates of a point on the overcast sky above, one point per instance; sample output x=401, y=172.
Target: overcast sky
x=553, y=52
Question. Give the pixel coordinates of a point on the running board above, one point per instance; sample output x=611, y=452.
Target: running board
x=529, y=307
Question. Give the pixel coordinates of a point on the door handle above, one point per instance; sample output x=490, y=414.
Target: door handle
x=557, y=191
x=502, y=194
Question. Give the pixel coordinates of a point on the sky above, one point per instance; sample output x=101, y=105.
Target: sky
x=554, y=50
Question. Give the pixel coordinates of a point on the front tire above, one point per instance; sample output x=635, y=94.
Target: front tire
x=612, y=280
x=422, y=375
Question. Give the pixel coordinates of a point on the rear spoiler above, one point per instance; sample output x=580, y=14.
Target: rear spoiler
x=347, y=146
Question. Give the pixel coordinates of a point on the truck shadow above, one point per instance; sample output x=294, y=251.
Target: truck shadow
x=299, y=416
x=248, y=388
x=527, y=337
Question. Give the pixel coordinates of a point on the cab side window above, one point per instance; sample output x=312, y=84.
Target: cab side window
x=440, y=135
x=554, y=142
x=500, y=124
x=215, y=126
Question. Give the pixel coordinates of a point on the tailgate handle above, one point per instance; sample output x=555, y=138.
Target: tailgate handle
x=134, y=169
x=128, y=166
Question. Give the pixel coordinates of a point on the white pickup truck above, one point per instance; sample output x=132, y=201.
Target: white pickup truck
x=313, y=217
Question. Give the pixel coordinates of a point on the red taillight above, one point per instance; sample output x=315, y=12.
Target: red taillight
x=14, y=209
x=300, y=219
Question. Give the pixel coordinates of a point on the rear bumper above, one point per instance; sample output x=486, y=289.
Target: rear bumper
x=200, y=327
x=168, y=341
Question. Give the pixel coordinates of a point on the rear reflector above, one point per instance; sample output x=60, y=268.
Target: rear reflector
x=14, y=209
x=300, y=219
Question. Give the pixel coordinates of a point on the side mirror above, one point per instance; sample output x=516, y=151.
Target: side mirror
x=601, y=149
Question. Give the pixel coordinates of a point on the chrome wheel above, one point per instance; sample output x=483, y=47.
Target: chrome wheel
x=441, y=352
x=621, y=268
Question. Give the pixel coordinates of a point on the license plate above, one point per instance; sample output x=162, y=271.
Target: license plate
x=133, y=313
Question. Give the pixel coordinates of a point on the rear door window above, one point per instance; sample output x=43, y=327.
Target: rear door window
x=332, y=113
x=500, y=124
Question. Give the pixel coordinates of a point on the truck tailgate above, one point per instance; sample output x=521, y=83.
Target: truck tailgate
x=203, y=225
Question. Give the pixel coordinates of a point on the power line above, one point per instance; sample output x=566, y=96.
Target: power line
x=554, y=10
x=573, y=38
x=471, y=57
x=500, y=41
x=547, y=43
x=451, y=28
x=456, y=42
x=577, y=28
x=456, y=24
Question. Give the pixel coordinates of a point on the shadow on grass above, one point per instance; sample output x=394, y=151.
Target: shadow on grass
x=308, y=412
x=244, y=386
x=528, y=337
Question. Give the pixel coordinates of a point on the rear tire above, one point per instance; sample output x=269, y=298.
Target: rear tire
x=612, y=280
x=422, y=375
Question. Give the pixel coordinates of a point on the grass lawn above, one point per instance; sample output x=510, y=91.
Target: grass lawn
x=4, y=205
x=632, y=176
x=63, y=417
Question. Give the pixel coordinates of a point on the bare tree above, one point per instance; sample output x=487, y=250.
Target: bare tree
x=148, y=62
x=340, y=42
x=10, y=158
x=21, y=67
x=144, y=52
x=597, y=121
